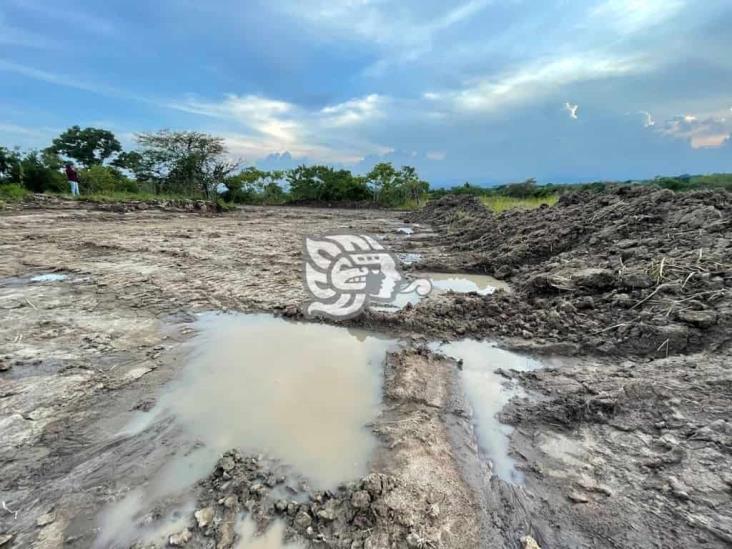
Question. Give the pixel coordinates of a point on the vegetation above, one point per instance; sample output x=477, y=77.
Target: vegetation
x=189, y=164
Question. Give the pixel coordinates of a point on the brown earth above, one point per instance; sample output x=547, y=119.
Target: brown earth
x=630, y=451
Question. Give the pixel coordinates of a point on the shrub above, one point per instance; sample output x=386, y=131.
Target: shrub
x=39, y=178
x=12, y=192
x=105, y=179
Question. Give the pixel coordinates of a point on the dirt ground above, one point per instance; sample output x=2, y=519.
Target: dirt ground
x=626, y=443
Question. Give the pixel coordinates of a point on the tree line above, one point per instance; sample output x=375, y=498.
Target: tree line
x=195, y=164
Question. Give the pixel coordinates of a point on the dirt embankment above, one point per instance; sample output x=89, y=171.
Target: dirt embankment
x=637, y=271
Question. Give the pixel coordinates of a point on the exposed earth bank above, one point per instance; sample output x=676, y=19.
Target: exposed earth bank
x=624, y=441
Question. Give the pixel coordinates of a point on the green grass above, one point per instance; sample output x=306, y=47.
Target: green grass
x=114, y=196
x=12, y=192
x=502, y=203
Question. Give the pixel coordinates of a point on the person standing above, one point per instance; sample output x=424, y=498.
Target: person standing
x=73, y=177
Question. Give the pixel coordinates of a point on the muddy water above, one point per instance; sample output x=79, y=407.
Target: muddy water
x=488, y=392
x=445, y=282
x=271, y=539
x=298, y=393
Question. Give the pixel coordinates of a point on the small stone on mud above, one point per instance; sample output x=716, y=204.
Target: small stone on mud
x=528, y=542
x=204, y=516
x=361, y=499
x=179, y=540
x=227, y=463
x=48, y=518
x=303, y=520
x=576, y=497
x=5, y=366
x=231, y=501
x=5, y=538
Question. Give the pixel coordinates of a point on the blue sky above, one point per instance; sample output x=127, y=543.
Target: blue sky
x=480, y=90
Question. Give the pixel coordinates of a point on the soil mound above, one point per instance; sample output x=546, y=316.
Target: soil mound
x=635, y=270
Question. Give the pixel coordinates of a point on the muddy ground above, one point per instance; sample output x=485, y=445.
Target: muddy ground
x=624, y=442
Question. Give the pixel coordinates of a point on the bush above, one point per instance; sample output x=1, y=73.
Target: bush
x=39, y=178
x=12, y=192
x=105, y=179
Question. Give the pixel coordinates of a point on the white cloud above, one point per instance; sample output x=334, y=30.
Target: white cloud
x=535, y=80
x=701, y=133
x=354, y=111
x=264, y=126
x=436, y=155
x=571, y=109
x=649, y=121
x=630, y=16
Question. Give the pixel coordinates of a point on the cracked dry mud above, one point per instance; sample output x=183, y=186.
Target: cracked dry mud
x=621, y=441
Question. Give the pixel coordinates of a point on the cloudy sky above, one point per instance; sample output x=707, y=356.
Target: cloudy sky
x=480, y=90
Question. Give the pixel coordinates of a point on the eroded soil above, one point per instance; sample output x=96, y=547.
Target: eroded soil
x=628, y=451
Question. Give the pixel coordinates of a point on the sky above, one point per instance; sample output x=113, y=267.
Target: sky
x=486, y=91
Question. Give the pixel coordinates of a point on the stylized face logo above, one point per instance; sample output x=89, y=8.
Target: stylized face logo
x=344, y=272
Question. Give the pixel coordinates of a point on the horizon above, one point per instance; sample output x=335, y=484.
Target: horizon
x=484, y=91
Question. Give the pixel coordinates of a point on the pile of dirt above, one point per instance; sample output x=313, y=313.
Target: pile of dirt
x=45, y=202
x=637, y=270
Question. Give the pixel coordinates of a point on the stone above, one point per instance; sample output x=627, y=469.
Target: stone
x=700, y=319
x=361, y=499
x=5, y=366
x=328, y=512
x=231, y=501
x=5, y=538
x=528, y=542
x=48, y=518
x=204, y=517
x=180, y=539
x=594, y=278
x=227, y=463
x=576, y=497
x=303, y=520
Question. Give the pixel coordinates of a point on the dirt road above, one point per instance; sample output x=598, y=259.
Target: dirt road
x=99, y=312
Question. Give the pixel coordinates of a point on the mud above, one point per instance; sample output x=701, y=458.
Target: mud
x=617, y=435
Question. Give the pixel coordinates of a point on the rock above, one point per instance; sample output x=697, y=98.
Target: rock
x=373, y=484
x=231, y=501
x=328, y=512
x=227, y=463
x=180, y=539
x=576, y=497
x=593, y=278
x=413, y=540
x=48, y=518
x=700, y=319
x=361, y=499
x=528, y=542
x=5, y=538
x=204, y=517
x=303, y=520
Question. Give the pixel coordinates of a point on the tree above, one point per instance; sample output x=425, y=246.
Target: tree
x=381, y=179
x=88, y=146
x=184, y=162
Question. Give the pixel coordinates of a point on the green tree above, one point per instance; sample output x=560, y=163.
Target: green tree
x=36, y=176
x=88, y=146
x=184, y=162
x=381, y=179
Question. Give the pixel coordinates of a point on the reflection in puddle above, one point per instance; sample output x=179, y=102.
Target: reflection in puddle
x=464, y=283
x=271, y=539
x=409, y=258
x=405, y=230
x=300, y=393
x=445, y=282
x=48, y=277
x=488, y=394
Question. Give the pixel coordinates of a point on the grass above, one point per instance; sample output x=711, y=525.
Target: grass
x=502, y=203
x=115, y=196
x=11, y=192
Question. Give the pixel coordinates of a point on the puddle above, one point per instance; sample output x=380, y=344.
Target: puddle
x=49, y=277
x=299, y=393
x=405, y=230
x=488, y=393
x=444, y=282
x=409, y=258
x=464, y=283
x=272, y=538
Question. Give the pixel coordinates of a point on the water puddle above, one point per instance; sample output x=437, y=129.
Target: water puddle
x=447, y=282
x=488, y=393
x=409, y=258
x=405, y=230
x=49, y=277
x=270, y=539
x=298, y=393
